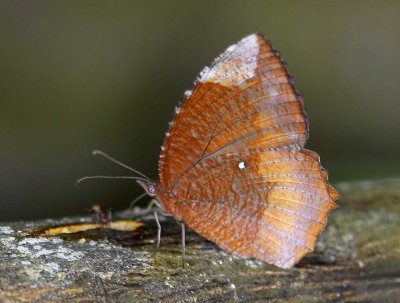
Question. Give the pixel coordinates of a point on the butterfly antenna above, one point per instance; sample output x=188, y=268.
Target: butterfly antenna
x=110, y=177
x=103, y=154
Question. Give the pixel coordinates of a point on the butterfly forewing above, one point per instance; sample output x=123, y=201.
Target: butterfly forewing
x=243, y=100
x=233, y=167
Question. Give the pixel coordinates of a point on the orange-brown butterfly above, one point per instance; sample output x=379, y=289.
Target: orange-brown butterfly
x=233, y=166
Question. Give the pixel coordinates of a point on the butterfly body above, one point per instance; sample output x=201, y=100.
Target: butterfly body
x=233, y=165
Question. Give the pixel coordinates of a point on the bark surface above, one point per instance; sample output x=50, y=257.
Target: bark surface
x=357, y=259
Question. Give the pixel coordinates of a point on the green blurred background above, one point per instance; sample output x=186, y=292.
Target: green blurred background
x=82, y=75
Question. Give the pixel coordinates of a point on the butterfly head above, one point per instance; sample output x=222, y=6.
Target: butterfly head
x=149, y=187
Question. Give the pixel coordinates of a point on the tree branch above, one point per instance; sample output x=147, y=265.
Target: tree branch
x=357, y=259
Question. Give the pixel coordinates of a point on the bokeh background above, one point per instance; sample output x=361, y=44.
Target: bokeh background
x=82, y=75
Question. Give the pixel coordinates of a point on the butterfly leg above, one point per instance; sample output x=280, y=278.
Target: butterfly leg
x=158, y=229
x=183, y=243
x=148, y=209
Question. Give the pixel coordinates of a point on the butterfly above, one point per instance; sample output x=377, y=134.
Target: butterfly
x=233, y=166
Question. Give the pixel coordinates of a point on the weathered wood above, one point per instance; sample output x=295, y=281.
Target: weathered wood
x=357, y=259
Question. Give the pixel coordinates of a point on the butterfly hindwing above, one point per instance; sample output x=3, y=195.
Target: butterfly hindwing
x=271, y=205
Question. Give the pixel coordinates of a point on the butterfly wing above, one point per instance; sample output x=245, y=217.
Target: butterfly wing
x=267, y=204
x=244, y=100
x=233, y=167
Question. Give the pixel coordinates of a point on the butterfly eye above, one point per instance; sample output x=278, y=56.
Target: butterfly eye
x=151, y=189
x=242, y=165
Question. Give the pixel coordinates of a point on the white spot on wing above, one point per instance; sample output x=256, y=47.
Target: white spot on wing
x=236, y=65
x=242, y=165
